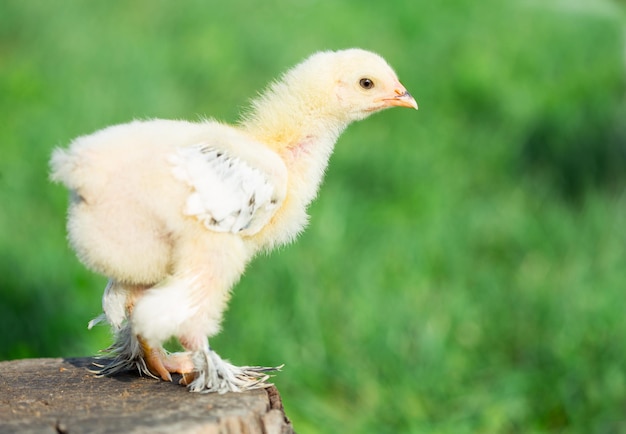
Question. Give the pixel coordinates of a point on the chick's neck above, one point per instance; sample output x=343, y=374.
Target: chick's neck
x=303, y=137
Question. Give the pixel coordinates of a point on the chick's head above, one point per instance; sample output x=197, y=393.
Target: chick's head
x=368, y=84
x=326, y=92
x=349, y=84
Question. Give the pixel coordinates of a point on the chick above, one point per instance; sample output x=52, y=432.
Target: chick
x=172, y=211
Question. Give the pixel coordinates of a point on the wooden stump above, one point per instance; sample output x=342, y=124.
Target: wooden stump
x=62, y=396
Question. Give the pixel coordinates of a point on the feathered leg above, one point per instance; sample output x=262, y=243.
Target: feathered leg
x=190, y=304
x=213, y=374
x=130, y=351
x=175, y=308
x=125, y=354
x=187, y=304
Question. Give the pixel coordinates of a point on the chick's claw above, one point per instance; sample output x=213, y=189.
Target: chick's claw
x=187, y=378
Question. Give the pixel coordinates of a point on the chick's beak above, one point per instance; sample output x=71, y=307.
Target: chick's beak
x=402, y=98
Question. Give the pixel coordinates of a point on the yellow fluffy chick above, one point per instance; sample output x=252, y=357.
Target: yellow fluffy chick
x=172, y=211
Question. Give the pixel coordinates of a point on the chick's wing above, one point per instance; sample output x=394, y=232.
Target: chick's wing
x=229, y=194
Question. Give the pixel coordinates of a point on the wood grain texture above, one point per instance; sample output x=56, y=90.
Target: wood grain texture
x=62, y=396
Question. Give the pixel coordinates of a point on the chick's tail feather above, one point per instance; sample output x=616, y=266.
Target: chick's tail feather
x=62, y=164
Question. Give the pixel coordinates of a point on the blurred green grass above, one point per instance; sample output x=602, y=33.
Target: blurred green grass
x=464, y=267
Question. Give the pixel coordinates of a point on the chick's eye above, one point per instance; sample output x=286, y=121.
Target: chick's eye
x=366, y=83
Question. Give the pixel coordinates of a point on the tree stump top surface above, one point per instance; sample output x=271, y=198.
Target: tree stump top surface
x=63, y=396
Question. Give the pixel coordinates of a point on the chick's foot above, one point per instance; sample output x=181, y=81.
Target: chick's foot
x=212, y=374
x=161, y=363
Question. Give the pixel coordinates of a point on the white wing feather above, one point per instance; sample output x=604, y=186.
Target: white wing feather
x=228, y=194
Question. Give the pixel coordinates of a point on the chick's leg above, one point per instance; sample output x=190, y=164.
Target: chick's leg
x=205, y=267
x=129, y=351
x=213, y=374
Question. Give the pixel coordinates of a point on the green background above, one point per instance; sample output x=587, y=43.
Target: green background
x=464, y=269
